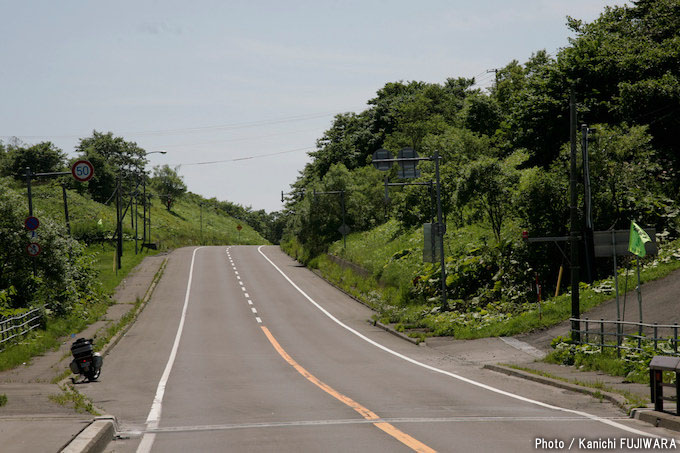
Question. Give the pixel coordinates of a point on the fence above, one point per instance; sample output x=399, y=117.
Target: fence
x=620, y=330
x=14, y=327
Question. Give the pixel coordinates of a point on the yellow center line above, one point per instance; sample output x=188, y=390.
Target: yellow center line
x=388, y=428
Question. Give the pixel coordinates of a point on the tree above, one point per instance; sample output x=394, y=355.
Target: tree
x=112, y=158
x=168, y=184
x=41, y=158
x=488, y=187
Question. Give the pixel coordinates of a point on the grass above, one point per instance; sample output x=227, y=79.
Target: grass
x=72, y=398
x=3, y=399
x=392, y=256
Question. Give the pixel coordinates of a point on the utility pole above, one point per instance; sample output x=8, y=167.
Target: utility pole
x=573, y=225
x=587, y=207
x=119, y=227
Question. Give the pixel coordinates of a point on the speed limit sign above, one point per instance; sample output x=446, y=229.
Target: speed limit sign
x=82, y=170
x=33, y=249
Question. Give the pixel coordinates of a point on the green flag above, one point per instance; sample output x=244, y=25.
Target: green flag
x=638, y=239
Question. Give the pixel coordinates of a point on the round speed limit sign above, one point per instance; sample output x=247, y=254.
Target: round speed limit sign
x=82, y=170
x=33, y=249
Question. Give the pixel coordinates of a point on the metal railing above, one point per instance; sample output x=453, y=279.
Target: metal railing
x=618, y=331
x=14, y=327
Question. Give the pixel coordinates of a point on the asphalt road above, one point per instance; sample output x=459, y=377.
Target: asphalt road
x=241, y=349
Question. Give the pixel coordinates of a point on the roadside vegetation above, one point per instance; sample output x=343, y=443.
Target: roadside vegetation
x=74, y=275
x=505, y=169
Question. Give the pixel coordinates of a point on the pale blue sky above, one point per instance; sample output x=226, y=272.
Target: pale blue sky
x=219, y=80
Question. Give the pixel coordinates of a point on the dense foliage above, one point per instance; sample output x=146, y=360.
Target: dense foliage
x=505, y=156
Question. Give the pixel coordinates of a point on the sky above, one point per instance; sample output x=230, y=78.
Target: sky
x=238, y=92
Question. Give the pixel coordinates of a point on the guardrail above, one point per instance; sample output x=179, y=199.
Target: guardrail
x=620, y=330
x=17, y=326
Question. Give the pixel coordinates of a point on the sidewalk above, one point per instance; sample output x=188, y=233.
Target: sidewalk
x=30, y=421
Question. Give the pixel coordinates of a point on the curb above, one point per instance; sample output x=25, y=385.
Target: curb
x=102, y=430
x=94, y=438
x=656, y=418
x=615, y=398
x=415, y=341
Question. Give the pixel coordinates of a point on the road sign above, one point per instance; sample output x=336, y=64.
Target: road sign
x=408, y=169
x=33, y=249
x=380, y=155
x=344, y=229
x=31, y=223
x=239, y=227
x=82, y=170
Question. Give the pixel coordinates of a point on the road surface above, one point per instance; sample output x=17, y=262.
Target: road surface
x=241, y=349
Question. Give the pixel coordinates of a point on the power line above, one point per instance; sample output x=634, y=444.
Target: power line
x=257, y=156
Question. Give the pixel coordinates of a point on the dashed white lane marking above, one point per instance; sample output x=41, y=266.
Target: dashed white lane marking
x=243, y=288
x=448, y=373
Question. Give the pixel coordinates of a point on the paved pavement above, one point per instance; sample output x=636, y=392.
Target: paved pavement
x=31, y=421
x=29, y=409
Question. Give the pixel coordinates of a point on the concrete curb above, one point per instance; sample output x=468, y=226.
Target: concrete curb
x=94, y=438
x=102, y=430
x=615, y=398
x=415, y=341
x=658, y=419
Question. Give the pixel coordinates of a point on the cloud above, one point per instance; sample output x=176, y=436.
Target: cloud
x=159, y=28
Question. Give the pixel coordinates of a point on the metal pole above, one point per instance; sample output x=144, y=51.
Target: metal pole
x=136, y=225
x=587, y=206
x=201, y=210
x=441, y=229
x=639, y=295
x=68, y=224
x=30, y=209
x=119, y=228
x=28, y=187
x=573, y=220
x=344, y=226
x=144, y=201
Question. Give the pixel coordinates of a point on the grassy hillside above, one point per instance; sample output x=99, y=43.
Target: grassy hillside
x=169, y=229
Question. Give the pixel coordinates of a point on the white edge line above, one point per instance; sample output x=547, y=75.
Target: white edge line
x=154, y=417
x=453, y=375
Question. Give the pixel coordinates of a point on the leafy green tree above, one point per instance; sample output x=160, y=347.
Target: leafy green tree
x=112, y=158
x=168, y=184
x=627, y=178
x=64, y=276
x=488, y=187
x=41, y=158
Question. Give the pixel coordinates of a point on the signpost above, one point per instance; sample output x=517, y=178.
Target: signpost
x=31, y=223
x=33, y=249
x=239, y=228
x=82, y=170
